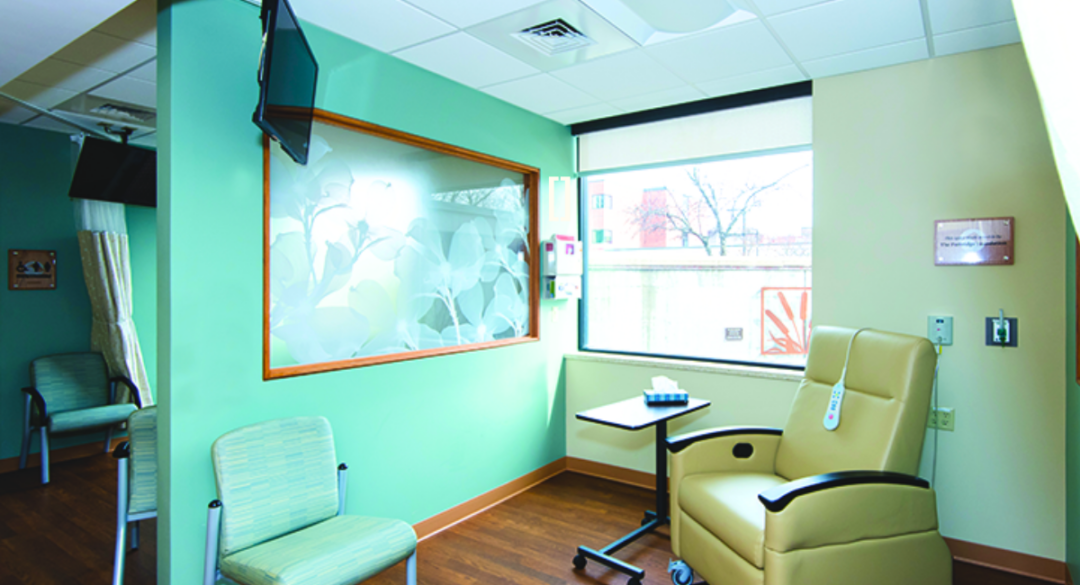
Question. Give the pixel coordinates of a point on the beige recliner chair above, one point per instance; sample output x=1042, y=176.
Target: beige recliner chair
x=806, y=505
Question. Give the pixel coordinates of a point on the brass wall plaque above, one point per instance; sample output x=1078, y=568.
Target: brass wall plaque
x=974, y=242
x=31, y=269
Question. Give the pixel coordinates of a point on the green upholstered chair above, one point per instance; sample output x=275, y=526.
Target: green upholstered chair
x=280, y=514
x=136, y=483
x=71, y=393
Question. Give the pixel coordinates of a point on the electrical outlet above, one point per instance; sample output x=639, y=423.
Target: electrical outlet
x=942, y=418
x=939, y=329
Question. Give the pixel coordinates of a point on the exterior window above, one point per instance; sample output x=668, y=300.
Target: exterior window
x=705, y=260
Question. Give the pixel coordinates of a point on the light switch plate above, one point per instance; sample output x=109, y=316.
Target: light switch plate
x=939, y=329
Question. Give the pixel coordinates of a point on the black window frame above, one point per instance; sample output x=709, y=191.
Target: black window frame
x=750, y=98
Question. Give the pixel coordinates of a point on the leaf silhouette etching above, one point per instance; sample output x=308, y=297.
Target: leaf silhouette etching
x=783, y=332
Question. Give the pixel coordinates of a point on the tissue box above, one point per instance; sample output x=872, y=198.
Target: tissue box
x=655, y=397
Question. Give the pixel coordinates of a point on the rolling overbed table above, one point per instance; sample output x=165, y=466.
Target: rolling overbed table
x=633, y=414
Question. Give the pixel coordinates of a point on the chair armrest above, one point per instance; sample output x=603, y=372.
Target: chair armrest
x=39, y=401
x=847, y=506
x=122, y=451
x=747, y=449
x=680, y=442
x=127, y=382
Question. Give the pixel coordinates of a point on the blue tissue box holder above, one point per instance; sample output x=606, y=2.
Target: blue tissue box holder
x=656, y=397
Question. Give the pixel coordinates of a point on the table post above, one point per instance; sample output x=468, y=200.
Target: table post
x=661, y=473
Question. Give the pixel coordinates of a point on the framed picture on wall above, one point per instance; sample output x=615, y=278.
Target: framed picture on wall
x=388, y=246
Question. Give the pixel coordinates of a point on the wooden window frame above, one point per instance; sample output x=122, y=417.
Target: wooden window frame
x=532, y=184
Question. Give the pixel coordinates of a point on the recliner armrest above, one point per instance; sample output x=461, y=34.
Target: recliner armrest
x=777, y=498
x=680, y=442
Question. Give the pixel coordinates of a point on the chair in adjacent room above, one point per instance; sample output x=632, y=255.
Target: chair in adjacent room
x=280, y=514
x=811, y=505
x=136, y=483
x=71, y=393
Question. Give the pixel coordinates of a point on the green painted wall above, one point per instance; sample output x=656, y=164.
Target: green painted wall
x=142, y=244
x=420, y=436
x=35, y=213
x=1072, y=417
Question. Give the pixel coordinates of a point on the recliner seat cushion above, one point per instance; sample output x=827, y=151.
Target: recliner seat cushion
x=89, y=418
x=340, y=551
x=726, y=505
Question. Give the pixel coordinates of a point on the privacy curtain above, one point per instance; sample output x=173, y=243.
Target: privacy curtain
x=103, y=245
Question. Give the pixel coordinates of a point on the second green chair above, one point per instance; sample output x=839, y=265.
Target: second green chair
x=280, y=514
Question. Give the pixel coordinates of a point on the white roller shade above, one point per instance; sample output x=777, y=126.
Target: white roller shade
x=769, y=126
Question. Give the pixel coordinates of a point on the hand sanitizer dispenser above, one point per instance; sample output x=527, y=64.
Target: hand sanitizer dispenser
x=561, y=266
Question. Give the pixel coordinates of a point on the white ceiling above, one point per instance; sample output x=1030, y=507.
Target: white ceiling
x=53, y=57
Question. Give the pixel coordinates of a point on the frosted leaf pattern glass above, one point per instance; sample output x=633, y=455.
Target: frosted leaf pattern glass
x=379, y=247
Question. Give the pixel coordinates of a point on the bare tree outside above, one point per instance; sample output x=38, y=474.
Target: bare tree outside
x=712, y=214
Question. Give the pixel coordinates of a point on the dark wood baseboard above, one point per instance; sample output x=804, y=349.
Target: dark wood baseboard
x=470, y=508
x=1025, y=565
x=58, y=455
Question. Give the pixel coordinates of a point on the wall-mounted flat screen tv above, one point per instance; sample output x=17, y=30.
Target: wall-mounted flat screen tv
x=111, y=171
x=287, y=77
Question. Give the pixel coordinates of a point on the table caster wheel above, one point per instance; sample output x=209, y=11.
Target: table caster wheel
x=579, y=562
x=681, y=573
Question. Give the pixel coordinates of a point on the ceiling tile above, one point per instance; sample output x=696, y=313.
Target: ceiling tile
x=463, y=14
x=30, y=30
x=621, y=75
x=867, y=59
x=541, y=94
x=727, y=52
x=678, y=95
x=13, y=114
x=845, y=26
x=972, y=39
x=771, y=7
x=137, y=22
x=953, y=15
x=386, y=25
x=467, y=60
x=499, y=34
x=147, y=72
x=130, y=90
x=751, y=81
x=57, y=73
x=39, y=95
x=575, y=115
x=106, y=52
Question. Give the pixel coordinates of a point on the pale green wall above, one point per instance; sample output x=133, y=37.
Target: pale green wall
x=894, y=150
x=420, y=436
x=35, y=213
x=1072, y=432
x=955, y=137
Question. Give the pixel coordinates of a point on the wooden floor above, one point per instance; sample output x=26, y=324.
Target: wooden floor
x=64, y=533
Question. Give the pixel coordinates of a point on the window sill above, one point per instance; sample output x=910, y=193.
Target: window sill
x=688, y=365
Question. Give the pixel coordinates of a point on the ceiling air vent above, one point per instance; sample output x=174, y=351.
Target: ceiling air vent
x=123, y=112
x=554, y=37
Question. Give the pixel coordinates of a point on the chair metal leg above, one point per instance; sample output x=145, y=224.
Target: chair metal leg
x=26, y=436
x=121, y=520
x=44, y=455
x=108, y=438
x=134, y=538
x=410, y=569
x=213, y=532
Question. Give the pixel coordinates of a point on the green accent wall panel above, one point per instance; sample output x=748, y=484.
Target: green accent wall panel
x=1072, y=413
x=420, y=436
